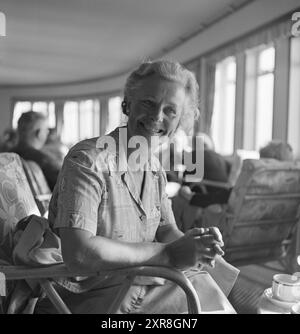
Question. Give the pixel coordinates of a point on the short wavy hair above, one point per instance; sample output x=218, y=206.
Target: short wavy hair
x=172, y=71
x=278, y=150
x=28, y=120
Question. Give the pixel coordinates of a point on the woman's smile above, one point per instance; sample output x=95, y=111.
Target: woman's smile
x=156, y=108
x=151, y=129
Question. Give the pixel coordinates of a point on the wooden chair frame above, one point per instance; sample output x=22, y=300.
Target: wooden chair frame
x=44, y=274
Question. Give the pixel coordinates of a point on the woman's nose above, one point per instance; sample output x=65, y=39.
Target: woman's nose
x=157, y=115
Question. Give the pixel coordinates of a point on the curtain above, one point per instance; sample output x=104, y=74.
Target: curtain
x=207, y=91
x=206, y=71
x=265, y=35
x=210, y=95
x=59, y=115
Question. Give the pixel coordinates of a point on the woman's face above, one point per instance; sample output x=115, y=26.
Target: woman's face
x=156, y=108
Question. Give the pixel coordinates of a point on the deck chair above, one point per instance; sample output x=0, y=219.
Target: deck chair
x=260, y=219
x=38, y=185
x=16, y=203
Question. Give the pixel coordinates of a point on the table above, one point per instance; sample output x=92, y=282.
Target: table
x=266, y=306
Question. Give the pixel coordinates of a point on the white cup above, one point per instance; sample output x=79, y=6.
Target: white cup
x=295, y=309
x=286, y=287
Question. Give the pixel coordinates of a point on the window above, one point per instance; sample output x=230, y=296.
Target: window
x=86, y=117
x=81, y=120
x=70, y=132
x=259, y=94
x=45, y=107
x=294, y=98
x=51, y=115
x=224, y=106
x=115, y=115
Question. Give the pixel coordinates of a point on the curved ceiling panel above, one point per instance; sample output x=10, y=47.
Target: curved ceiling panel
x=56, y=41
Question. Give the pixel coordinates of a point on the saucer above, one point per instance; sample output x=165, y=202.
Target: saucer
x=269, y=295
x=295, y=309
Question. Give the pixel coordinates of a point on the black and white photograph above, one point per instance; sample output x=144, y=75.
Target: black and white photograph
x=149, y=159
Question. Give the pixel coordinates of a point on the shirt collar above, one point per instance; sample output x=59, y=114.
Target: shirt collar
x=117, y=157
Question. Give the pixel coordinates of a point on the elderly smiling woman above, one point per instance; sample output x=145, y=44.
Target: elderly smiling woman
x=110, y=217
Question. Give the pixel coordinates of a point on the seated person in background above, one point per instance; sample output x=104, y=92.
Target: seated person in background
x=281, y=151
x=33, y=132
x=278, y=150
x=9, y=140
x=216, y=168
x=111, y=215
x=55, y=147
x=194, y=196
x=237, y=162
x=177, y=146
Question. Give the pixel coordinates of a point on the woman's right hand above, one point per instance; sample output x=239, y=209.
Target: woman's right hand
x=197, y=246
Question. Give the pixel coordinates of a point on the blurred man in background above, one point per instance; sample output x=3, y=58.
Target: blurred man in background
x=55, y=147
x=33, y=132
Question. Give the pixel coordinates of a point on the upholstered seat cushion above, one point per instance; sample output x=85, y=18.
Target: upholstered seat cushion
x=265, y=176
x=16, y=199
x=38, y=184
x=261, y=212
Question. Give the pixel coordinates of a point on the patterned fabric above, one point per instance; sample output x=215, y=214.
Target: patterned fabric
x=91, y=195
x=49, y=165
x=38, y=184
x=250, y=220
x=265, y=176
x=16, y=200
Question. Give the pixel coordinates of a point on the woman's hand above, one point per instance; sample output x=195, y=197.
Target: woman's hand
x=197, y=246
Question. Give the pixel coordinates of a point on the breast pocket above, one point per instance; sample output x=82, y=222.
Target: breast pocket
x=153, y=223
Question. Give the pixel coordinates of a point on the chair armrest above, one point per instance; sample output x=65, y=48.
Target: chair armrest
x=42, y=202
x=43, y=197
x=60, y=270
x=217, y=184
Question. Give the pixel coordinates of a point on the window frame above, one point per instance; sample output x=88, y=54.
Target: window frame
x=251, y=78
x=225, y=82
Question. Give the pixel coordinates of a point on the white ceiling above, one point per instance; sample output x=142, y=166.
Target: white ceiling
x=59, y=41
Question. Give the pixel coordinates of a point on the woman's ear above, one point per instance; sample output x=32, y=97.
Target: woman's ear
x=125, y=107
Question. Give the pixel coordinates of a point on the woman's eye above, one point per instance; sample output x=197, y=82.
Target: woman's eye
x=170, y=111
x=147, y=103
